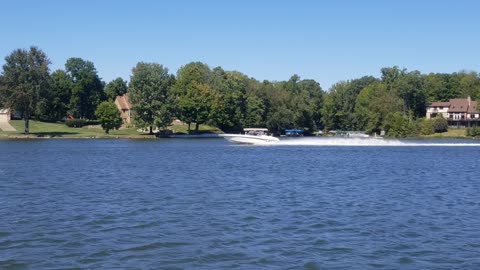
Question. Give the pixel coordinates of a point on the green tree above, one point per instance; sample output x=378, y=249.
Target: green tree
x=150, y=93
x=53, y=104
x=25, y=75
x=255, y=112
x=194, y=94
x=109, y=116
x=313, y=97
x=280, y=119
x=438, y=88
x=409, y=86
x=426, y=127
x=396, y=125
x=87, y=90
x=373, y=105
x=229, y=106
x=115, y=88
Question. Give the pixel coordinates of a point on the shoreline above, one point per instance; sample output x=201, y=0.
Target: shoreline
x=43, y=137
x=183, y=136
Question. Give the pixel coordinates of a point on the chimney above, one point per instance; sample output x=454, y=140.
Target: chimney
x=469, y=101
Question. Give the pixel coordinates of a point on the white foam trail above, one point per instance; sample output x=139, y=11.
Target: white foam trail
x=329, y=141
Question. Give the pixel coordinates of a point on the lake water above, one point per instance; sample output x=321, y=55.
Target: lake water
x=207, y=204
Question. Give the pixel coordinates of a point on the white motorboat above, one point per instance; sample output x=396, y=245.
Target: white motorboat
x=251, y=136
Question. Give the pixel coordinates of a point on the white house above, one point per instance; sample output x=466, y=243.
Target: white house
x=458, y=111
x=438, y=108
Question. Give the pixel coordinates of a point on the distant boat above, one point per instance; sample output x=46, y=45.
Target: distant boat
x=251, y=136
x=349, y=134
x=293, y=132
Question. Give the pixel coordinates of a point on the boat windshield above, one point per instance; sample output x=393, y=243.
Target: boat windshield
x=256, y=132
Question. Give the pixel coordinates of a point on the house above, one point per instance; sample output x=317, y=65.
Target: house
x=438, y=108
x=459, y=111
x=125, y=108
x=473, y=112
x=5, y=115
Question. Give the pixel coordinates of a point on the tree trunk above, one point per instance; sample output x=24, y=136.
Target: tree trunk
x=197, y=125
x=188, y=130
x=27, y=123
x=151, y=130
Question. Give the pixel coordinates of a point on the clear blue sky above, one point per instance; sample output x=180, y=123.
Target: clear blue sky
x=325, y=40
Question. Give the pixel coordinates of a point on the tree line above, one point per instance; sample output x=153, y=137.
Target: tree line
x=229, y=100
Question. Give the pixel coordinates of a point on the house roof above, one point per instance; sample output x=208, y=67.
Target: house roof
x=439, y=104
x=123, y=102
x=473, y=108
x=458, y=105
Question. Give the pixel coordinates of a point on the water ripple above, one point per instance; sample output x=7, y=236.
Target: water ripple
x=207, y=205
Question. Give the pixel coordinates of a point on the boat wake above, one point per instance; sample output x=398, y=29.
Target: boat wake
x=322, y=141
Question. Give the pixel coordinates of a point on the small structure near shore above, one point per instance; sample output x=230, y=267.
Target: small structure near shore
x=5, y=115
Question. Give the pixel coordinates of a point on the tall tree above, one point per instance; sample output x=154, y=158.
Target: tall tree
x=374, y=104
x=87, y=91
x=229, y=107
x=54, y=103
x=194, y=93
x=25, y=75
x=409, y=86
x=150, y=93
x=115, y=88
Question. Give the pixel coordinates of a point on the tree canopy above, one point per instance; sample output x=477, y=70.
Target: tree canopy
x=115, y=88
x=150, y=93
x=87, y=90
x=230, y=100
x=109, y=116
x=25, y=77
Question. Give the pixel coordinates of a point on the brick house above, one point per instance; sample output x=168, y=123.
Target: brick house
x=125, y=108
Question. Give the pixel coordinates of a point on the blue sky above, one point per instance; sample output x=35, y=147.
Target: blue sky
x=327, y=41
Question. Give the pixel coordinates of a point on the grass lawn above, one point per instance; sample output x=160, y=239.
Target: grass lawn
x=47, y=129
x=451, y=133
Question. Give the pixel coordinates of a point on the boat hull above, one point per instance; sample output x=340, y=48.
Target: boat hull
x=250, y=139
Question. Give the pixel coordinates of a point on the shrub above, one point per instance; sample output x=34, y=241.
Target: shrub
x=76, y=123
x=396, y=125
x=472, y=132
x=440, y=124
x=426, y=127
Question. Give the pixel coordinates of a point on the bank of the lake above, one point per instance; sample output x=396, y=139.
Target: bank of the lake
x=46, y=130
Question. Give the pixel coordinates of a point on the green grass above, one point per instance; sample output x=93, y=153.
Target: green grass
x=183, y=129
x=451, y=133
x=47, y=129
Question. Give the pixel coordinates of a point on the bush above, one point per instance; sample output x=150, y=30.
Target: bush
x=396, y=125
x=472, y=132
x=76, y=123
x=426, y=127
x=440, y=124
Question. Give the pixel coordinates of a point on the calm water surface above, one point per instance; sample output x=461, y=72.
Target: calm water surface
x=207, y=204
